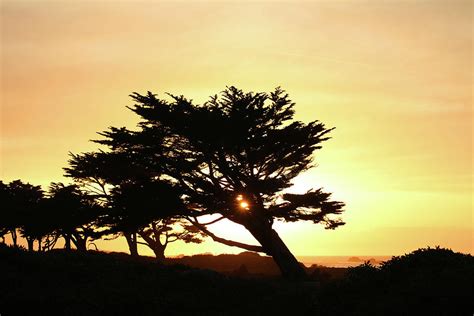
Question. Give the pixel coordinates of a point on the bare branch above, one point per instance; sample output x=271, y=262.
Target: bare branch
x=213, y=221
x=226, y=241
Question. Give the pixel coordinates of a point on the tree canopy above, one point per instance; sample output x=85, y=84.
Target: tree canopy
x=73, y=214
x=234, y=156
x=22, y=211
x=140, y=204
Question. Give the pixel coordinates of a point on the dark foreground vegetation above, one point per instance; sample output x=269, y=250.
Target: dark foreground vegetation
x=58, y=282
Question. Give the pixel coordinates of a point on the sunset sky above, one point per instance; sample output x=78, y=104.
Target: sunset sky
x=393, y=77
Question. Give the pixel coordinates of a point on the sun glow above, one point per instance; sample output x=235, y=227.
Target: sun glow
x=242, y=203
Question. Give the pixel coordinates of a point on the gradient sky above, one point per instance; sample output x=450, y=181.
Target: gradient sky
x=393, y=77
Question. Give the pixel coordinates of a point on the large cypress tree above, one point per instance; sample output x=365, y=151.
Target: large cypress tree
x=233, y=156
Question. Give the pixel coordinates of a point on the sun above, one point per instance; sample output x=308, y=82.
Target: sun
x=242, y=203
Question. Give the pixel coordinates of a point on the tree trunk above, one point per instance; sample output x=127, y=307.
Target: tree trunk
x=80, y=243
x=159, y=254
x=132, y=244
x=67, y=242
x=14, y=238
x=39, y=245
x=154, y=244
x=30, y=242
x=275, y=247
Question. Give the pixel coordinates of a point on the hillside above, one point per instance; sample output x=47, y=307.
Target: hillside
x=249, y=264
x=427, y=281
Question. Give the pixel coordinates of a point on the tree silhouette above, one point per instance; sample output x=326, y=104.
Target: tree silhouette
x=5, y=213
x=234, y=155
x=101, y=174
x=158, y=234
x=148, y=209
x=73, y=215
x=138, y=205
x=25, y=213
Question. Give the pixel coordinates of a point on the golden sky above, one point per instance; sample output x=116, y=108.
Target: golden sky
x=393, y=77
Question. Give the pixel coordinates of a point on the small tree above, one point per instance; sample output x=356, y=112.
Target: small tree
x=74, y=215
x=158, y=234
x=100, y=174
x=145, y=209
x=138, y=205
x=26, y=213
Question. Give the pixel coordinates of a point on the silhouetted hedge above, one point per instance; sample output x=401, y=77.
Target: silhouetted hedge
x=430, y=281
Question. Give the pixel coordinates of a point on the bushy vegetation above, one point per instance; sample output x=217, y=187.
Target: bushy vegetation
x=58, y=282
x=74, y=283
x=429, y=281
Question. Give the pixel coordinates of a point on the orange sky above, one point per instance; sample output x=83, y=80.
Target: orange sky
x=394, y=77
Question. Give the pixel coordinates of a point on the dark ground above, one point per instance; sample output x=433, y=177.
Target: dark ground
x=425, y=282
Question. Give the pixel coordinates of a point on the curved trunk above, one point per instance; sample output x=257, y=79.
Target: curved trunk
x=154, y=244
x=275, y=247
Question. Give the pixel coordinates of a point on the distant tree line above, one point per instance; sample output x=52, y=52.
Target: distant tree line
x=185, y=167
x=78, y=218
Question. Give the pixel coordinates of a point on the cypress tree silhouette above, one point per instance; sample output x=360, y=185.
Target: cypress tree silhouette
x=73, y=215
x=138, y=206
x=147, y=209
x=25, y=213
x=234, y=155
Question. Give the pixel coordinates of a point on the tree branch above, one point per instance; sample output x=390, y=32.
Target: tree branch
x=213, y=221
x=226, y=241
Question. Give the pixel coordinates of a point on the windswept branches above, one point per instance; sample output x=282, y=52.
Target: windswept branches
x=231, y=243
x=236, y=144
x=313, y=205
x=160, y=233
